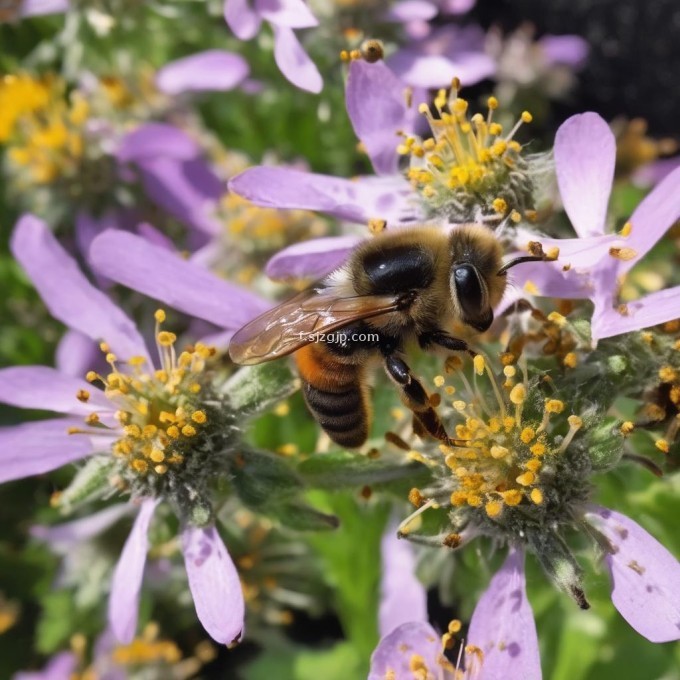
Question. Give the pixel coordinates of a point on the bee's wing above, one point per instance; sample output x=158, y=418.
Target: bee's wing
x=294, y=323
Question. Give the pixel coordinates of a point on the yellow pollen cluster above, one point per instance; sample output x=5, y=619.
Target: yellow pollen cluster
x=470, y=153
x=156, y=411
x=498, y=456
x=42, y=126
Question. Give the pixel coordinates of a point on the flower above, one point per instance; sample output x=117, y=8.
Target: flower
x=245, y=21
x=470, y=170
x=160, y=433
x=592, y=266
x=518, y=472
x=502, y=640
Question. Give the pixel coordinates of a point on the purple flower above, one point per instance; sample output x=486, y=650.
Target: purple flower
x=502, y=640
x=245, y=20
x=34, y=8
x=60, y=667
x=377, y=108
x=202, y=72
x=592, y=265
x=448, y=52
x=143, y=449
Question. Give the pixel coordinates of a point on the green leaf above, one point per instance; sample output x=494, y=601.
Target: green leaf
x=263, y=479
x=303, y=517
x=253, y=389
x=340, y=469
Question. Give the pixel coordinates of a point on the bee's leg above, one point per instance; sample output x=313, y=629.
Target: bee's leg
x=415, y=397
x=444, y=340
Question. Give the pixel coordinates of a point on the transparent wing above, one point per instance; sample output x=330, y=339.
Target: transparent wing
x=296, y=322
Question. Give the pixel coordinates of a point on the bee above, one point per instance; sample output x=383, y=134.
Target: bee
x=420, y=284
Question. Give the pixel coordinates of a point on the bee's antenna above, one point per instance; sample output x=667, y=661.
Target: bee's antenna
x=537, y=255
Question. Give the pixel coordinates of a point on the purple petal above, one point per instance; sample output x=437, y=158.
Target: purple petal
x=61, y=666
x=311, y=259
x=355, y=200
x=449, y=51
x=503, y=627
x=165, y=276
x=402, y=597
x=38, y=447
x=648, y=311
x=645, y=576
x=456, y=6
x=127, y=577
x=652, y=173
x=76, y=354
x=46, y=388
x=156, y=139
x=411, y=10
x=571, y=50
x=68, y=294
x=376, y=105
x=214, y=584
x=205, y=71
x=158, y=238
x=585, y=155
x=63, y=536
x=394, y=652
x=657, y=212
x=88, y=226
x=294, y=62
x=291, y=13
x=188, y=189
x=241, y=19
x=34, y=8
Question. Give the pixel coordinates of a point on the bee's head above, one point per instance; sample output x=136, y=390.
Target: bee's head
x=476, y=288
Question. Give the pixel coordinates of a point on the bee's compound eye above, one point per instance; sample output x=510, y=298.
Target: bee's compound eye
x=471, y=297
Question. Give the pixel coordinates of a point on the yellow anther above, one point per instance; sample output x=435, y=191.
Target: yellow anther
x=104, y=347
x=530, y=287
x=194, y=388
x=509, y=371
x=526, y=478
x=189, y=431
x=344, y=55
x=416, y=663
x=159, y=315
x=132, y=431
x=493, y=508
x=459, y=405
x=458, y=498
x=526, y=117
x=199, y=417
x=508, y=423
x=534, y=465
x=515, y=216
x=527, y=434
x=518, y=394
x=627, y=428
x=166, y=339
x=83, y=395
x=626, y=229
x=160, y=469
x=423, y=108
x=455, y=626
x=415, y=497
x=557, y=318
x=536, y=496
x=500, y=205
x=91, y=376
x=479, y=364
x=570, y=360
x=495, y=129
x=512, y=497
x=111, y=358
x=474, y=500
x=140, y=465
x=157, y=456
x=376, y=225
x=492, y=103
x=173, y=431
x=552, y=253
x=554, y=406
x=575, y=422
x=499, y=148
x=624, y=254
x=538, y=449
x=92, y=419
x=439, y=380
x=667, y=374
x=662, y=445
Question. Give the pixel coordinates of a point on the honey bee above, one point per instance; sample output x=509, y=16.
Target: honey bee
x=414, y=284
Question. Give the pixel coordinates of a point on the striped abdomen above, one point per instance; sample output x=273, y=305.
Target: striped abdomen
x=335, y=394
